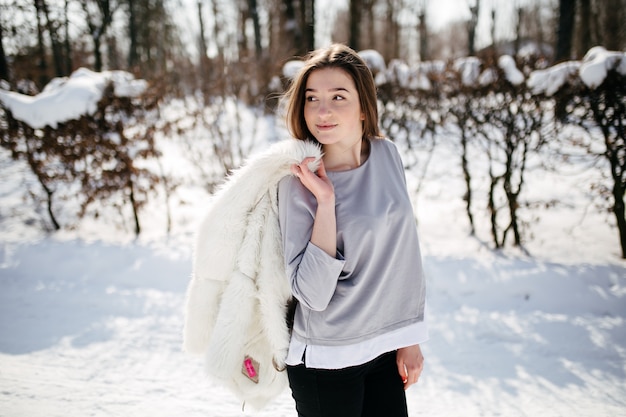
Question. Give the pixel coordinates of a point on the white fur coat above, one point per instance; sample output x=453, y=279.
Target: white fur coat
x=237, y=298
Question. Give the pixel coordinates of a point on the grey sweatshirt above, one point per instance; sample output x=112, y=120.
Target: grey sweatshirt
x=375, y=284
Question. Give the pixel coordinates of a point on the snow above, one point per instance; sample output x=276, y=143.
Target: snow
x=70, y=97
x=597, y=62
x=550, y=80
x=373, y=59
x=410, y=77
x=291, y=68
x=592, y=71
x=91, y=319
x=469, y=68
x=512, y=74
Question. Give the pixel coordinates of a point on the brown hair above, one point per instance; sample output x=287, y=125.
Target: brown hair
x=334, y=56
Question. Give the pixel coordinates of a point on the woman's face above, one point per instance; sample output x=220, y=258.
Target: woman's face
x=332, y=109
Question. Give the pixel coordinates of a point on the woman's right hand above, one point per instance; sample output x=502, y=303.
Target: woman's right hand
x=317, y=182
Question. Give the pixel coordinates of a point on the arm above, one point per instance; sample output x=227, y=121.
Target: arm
x=308, y=227
x=324, y=233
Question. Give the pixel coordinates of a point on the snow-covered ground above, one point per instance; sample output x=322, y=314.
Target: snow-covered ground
x=91, y=326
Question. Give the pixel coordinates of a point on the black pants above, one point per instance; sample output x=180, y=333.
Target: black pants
x=374, y=389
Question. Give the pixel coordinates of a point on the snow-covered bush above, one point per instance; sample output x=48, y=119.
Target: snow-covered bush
x=84, y=138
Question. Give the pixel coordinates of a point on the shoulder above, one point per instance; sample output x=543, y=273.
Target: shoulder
x=387, y=148
x=384, y=144
x=291, y=189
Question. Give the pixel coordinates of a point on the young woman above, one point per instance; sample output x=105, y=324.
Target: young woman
x=351, y=249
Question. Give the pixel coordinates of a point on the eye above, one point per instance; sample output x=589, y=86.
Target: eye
x=310, y=98
x=338, y=97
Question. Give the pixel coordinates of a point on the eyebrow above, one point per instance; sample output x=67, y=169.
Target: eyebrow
x=331, y=89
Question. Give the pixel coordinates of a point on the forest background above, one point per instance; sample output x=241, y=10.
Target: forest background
x=215, y=58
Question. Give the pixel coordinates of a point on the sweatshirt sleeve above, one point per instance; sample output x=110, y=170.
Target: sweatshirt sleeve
x=313, y=274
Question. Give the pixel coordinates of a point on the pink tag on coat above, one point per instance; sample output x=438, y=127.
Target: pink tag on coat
x=249, y=367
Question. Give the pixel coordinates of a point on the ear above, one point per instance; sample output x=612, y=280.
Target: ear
x=362, y=116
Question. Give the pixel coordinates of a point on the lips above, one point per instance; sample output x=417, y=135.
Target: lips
x=324, y=127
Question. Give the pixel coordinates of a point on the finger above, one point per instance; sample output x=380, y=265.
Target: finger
x=414, y=373
x=295, y=169
x=402, y=371
x=306, y=161
x=321, y=170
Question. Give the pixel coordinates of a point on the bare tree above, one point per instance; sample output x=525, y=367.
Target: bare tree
x=98, y=16
x=602, y=112
x=461, y=111
x=52, y=29
x=608, y=109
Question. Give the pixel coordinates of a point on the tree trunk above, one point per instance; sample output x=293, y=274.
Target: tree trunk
x=311, y=27
x=609, y=113
x=585, y=39
x=308, y=23
x=202, y=52
x=4, y=67
x=41, y=48
x=66, y=42
x=511, y=195
x=57, y=54
x=242, y=37
x=619, y=211
x=217, y=28
x=135, y=208
x=471, y=29
x=390, y=49
x=51, y=215
x=493, y=210
x=97, y=52
x=37, y=169
x=368, y=6
x=565, y=29
x=423, y=35
x=356, y=7
x=290, y=31
x=98, y=31
x=468, y=178
x=518, y=31
x=254, y=15
x=614, y=25
x=133, y=54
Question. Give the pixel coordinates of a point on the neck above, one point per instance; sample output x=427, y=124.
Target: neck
x=338, y=158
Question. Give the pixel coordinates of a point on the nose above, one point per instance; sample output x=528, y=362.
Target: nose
x=323, y=110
